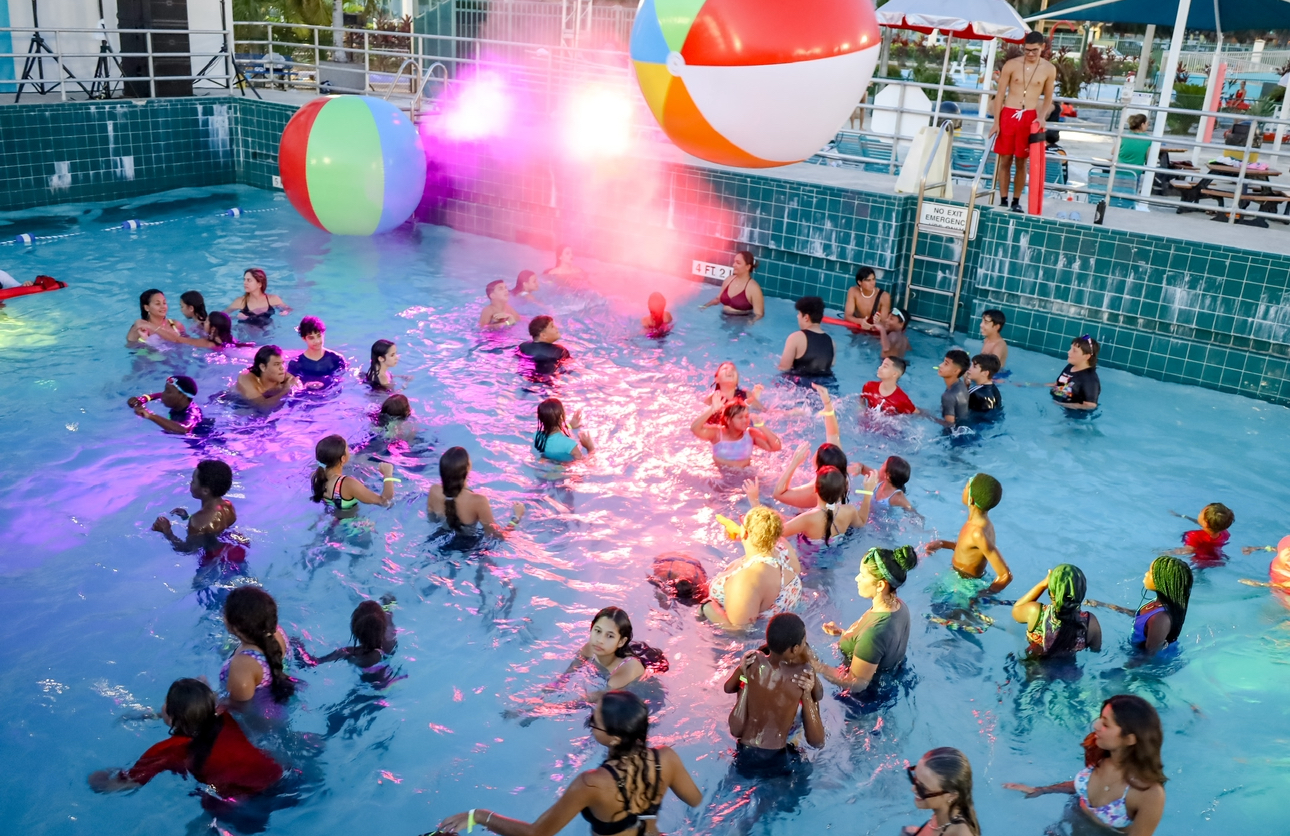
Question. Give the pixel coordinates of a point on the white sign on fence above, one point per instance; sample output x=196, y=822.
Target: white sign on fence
x=709, y=270
x=947, y=219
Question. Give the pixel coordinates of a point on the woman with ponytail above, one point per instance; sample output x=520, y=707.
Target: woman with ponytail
x=254, y=676
x=1061, y=627
x=876, y=643
x=342, y=492
x=942, y=783
x=459, y=506
x=203, y=741
x=832, y=516
x=193, y=306
x=621, y=796
x=385, y=356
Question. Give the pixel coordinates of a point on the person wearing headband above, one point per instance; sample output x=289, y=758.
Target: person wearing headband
x=974, y=549
x=891, y=331
x=876, y=643
x=178, y=396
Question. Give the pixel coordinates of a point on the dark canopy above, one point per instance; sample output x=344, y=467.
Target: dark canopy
x=1233, y=14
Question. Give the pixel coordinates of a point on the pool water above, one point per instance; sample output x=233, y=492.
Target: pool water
x=100, y=615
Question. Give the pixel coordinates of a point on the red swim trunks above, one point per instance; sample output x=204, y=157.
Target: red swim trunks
x=1014, y=132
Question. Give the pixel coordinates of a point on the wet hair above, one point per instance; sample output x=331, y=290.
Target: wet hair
x=395, y=407
x=1089, y=346
x=830, y=486
x=730, y=410
x=622, y=623
x=538, y=324
x=372, y=376
x=262, y=357
x=1136, y=716
x=367, y=626
x=328, y=453
x=197, y=302
x=762, y=528
x=1067, y=587
x=493, y=285
x=892, y=566
x=657, y=307
x=812, y=306
x=1137, y=121
x=901, y=315
x=193, y=712
x=310, y=325
x=716, y=385
x=750, y=260
x=1216, y=517
x=559, y=251
x=985, y=491
x=551, y=420
x=899, y=362
x=186, y=385
x=454, y=467
x=960, y=358
x=830, y=455
x=626, y=717
x=996, y=317
x=523, y=277
x=144, y=299
x=987, y=363
x=223, y=325
x=1034, y=37
x=784, y=632
x=898, y=472
x=955, y=773
x=260, y=276
x=1173, y=579
x=253, y=613
x=215, y=476
x=865, y=273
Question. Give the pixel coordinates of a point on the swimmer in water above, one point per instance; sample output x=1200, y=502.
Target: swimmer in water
x=253, y=677
x=543, y=349
x=808, y=351
x=1061, y=627
x=193, y=306
x=889, y=493
x=152, y=319
x=526, y=284
x=734, y=438
x=1206, y=543
x=178, y=396
x=942, y=783
x=725, y=391
x=1278, y=569
x=385, y=356
x=891, y=334
x=205, y=742
x=992, y=323
x=371, y=626
x=1078, y=386
x=553, y=439
x=659, y=320
x=610, y=647
x=256, y=306
x=316, y=363
x=772, y=684
x=267, y=381
x=829, y=454
x=344, y=493
x=211, y=480
x=833, y=516
x=1157, y=624
x=740, y=295
x=498, y=313
x=867, y=305
x=621, y=796
x=459, y=506
x=876, y=643
x=975, y=549
x=767, y=579
x=564, y=267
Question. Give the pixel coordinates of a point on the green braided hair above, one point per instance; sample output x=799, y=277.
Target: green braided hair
x=985, y=491
x=1066, y=589
x=1173, y=579
x=891, y=566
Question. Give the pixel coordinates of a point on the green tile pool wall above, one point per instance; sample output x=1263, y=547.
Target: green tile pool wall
x=1170, y=309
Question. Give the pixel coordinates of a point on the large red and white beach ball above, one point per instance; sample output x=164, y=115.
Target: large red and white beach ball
x=753, y=83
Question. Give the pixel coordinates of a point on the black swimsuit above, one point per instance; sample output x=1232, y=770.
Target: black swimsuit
x=637, y=820
x=263, y=318
x=818, y=358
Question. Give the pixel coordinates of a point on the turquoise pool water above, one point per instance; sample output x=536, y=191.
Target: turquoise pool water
x=100, y=615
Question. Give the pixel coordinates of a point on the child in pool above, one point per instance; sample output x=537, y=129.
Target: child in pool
x=253, y=676
x=316, y=364
x=659, y=321
x=891, y=332
x=498, y=313
x=992, y=323
x=385, y=356
x=177, y=397
x=893, y=475
x=1278, y=569
x=975, y=546
x=1205, y=544
x=553, y=439
x=885, y=393
x=615, y=655
x=372, y=627
x=983, y=396
x=204, y=741
x=211, y=480
x=331, y=485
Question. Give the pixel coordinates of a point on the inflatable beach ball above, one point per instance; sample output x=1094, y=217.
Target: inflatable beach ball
x=352, y=165
x=753, y=83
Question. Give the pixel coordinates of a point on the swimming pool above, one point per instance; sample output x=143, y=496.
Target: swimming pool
x=100, y=615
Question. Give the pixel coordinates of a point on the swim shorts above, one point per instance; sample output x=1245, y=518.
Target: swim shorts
x=1014, y=132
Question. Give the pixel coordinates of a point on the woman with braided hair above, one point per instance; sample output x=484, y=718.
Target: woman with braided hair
x=253, y=677
x=876, y=643
x=622, y=795
x=1157, y=624
x=1061, y=627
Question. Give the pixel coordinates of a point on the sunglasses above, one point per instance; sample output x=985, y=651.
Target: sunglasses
x=919, y=789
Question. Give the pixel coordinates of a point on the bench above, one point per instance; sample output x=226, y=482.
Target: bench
x=1263, y=200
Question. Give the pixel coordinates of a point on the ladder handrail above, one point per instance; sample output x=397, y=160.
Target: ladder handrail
x=416, y=64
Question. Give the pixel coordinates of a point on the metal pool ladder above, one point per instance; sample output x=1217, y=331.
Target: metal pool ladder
x=948, y=220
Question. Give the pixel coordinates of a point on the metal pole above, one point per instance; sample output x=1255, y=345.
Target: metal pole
x=1144, y=60
x=1281, y=116
x=1166, y=94
x=1240, y=177
x=62, y=74
x=945, y=68
x=1210, y=103
x=987, y=83
x=152, y=74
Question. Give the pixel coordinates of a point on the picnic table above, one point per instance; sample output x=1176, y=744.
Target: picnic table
x=1257, y=190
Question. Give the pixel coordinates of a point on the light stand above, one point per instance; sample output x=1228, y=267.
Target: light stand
x=101, y=87
x=36, y=52
x=239, y=77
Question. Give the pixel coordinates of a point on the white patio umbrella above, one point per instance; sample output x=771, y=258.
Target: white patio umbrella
x=981, y=20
